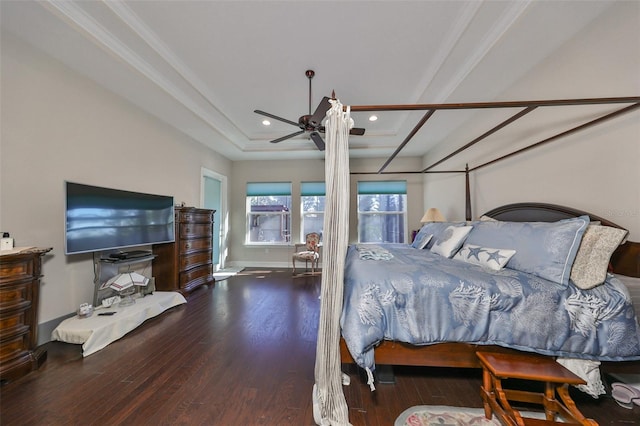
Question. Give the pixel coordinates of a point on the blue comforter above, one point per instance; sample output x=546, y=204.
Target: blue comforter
x=397, y=292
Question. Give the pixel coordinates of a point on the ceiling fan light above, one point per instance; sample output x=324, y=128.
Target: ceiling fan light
x=373, y=118
x=266, y=123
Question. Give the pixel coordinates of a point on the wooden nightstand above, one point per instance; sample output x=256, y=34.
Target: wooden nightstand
x=498, y=366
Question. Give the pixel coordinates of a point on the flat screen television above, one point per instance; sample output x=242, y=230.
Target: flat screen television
x=106, y=219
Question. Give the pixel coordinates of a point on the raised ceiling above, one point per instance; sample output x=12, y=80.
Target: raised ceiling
x=203, y=67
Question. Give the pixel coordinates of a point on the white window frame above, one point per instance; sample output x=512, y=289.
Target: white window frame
x=310, y=189
x=261, y=189
x=384, y=188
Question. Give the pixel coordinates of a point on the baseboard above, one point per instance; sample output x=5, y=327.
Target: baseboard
x=253, y=264
x=46, y=328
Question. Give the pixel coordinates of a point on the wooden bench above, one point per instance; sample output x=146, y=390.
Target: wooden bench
x=499, y=366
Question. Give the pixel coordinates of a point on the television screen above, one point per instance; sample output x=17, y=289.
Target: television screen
x=100, y=219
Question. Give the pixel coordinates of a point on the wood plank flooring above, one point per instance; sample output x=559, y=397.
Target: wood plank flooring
x=239, y=353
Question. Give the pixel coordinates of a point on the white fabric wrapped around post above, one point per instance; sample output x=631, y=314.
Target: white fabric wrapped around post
x=329, y=403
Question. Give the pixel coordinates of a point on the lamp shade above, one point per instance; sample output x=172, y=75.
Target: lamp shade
x=432, y=215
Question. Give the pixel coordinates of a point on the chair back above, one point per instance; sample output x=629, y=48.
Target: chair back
x=312, y=240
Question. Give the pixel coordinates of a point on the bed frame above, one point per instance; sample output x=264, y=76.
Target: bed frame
x=625, y=261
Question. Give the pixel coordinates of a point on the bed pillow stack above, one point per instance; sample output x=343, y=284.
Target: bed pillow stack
x=544, y=249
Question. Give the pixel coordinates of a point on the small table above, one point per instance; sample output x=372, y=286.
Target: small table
x=499, y=366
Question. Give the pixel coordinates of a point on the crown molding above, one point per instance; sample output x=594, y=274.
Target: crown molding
x=87, y=26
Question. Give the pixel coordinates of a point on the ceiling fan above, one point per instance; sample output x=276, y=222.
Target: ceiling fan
x=309, y=123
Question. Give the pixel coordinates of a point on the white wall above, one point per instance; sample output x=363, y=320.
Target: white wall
x=596, y=170
x=57, y=126
x=300, y=171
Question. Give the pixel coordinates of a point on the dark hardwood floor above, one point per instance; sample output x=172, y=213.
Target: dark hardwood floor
x=239, y=353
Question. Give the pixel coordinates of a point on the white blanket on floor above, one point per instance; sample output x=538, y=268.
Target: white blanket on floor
x=96, y=332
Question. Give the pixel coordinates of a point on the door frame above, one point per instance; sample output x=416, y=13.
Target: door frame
x=222, y=216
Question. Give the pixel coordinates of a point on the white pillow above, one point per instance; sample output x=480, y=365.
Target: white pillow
x=450, y=241
x=486, y=257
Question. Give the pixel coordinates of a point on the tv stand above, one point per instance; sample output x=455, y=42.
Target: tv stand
x=133, y=254
x=108, y=267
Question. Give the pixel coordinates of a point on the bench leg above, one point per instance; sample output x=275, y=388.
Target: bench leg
x=563, y=392
x=487, y=393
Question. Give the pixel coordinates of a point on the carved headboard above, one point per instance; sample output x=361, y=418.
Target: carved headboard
x=626, y=258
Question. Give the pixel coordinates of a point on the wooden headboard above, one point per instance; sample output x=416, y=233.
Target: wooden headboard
x=626, y=258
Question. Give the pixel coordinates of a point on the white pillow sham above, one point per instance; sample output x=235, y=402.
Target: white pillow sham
x=450, y=241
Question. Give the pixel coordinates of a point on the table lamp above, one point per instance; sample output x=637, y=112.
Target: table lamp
x=432, y=215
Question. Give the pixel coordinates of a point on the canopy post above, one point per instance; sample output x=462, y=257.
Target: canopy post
x=467, y=193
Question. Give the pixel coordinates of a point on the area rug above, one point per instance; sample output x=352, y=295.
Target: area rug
x=442, y=415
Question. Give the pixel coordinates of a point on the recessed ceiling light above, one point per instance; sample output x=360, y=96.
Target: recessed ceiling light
x=373, y=118
x=266, y=123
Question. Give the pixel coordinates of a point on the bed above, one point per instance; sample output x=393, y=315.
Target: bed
x=521, y=306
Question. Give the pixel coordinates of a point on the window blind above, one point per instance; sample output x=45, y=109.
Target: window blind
x=382, y=187
x=310, y=189
x=256, y=189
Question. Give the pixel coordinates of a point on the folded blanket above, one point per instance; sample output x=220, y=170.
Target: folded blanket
x=372, y=252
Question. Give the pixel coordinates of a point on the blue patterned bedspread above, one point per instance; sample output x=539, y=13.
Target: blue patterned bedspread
x=415, y=296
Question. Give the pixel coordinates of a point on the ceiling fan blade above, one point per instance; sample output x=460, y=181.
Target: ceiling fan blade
x=275, y=117
x=320, y=112
x=287, y=137
x=317, y=139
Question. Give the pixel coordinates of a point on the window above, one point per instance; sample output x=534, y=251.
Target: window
x=382, y=212
x=312, y=196
x=268, y=212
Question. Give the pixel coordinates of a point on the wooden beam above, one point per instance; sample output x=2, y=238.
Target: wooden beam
x=407, y=139
x=498, y=104
x=562, y=134
x=483, y=136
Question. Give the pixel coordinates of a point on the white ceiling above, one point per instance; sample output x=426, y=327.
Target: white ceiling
x=204, y=66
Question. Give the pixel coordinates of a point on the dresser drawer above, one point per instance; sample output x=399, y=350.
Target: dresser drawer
x=195, y=259
x=188, y=230
x=12, y=320
x=200, y=274
x=13, y=346
x=195, y=244
x=15, y=297
x=16, y=269
x=195, y=216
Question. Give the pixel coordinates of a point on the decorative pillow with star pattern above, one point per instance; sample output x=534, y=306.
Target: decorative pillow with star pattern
x=486, y=257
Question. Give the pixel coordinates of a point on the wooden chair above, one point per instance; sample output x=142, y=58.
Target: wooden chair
x=310, y=252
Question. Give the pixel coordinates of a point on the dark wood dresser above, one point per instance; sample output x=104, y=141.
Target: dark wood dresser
x=188, y=263
x=20, y=275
